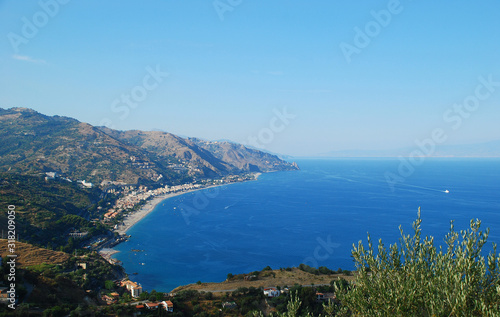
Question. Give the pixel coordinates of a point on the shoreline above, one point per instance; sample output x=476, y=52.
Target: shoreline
x=151, y=204
x=133, y=218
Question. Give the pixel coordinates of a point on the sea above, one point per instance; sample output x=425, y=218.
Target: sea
x=311, y=216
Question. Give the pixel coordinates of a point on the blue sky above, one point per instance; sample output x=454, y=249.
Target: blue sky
x=233, y=65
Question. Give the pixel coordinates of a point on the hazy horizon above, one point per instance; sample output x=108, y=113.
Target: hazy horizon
x=298, y=79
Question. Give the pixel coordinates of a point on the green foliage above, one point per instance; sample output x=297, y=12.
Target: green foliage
x=56, y=311
x=46, y=211
x=292, y=309
x=316, y=271
x=144, y=295
x=109, y=284
x=416, y=278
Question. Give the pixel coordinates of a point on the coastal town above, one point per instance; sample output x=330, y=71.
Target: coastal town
x=134, y=202
x=132, y=197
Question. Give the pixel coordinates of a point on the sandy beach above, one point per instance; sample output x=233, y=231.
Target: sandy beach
x=135, y=217
x=150, y=205
x=106, y=253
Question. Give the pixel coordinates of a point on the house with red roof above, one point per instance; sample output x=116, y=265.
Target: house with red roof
x=271, y=292
x=168, y=306
x=152, y=305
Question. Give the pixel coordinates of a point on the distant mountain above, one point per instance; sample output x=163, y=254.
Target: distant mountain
x=244, y=158
x=34, y=143
x=486, y=149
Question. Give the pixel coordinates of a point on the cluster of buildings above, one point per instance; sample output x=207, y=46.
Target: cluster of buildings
x=111, y=298
x=274, y=292
x=54, y=175
x=135, y=290
x=133, y=196
x=78, y=234
x=166, y=305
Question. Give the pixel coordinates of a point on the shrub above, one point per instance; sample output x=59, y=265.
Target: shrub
x=416, y=278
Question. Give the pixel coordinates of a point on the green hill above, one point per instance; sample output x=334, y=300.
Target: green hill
x=46, y=211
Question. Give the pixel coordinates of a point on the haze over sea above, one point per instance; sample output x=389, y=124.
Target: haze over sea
x=310, y=216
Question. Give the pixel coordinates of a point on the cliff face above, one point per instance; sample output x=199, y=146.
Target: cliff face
x=34, y=143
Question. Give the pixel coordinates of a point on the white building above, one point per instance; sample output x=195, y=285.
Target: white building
x=271, y=292
x=134, y=288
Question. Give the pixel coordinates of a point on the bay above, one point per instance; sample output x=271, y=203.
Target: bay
x=311, y=216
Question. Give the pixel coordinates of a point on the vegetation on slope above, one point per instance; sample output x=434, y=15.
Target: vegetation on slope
x=47, y=211
x=55, y=283
x=34, y=143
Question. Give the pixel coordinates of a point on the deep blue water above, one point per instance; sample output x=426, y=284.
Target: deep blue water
x=310, y=216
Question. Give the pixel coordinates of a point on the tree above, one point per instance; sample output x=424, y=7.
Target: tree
x=126, y=297
x=109, y=284
x=416, y=278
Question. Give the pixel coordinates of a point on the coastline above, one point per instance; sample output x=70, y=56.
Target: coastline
x=151, y=204
x=138, y=215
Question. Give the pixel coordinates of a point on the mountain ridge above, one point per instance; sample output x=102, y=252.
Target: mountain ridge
x=37, y=143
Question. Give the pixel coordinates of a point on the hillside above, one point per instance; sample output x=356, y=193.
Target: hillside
x=271, y=278
x=55, y=282
x=244, y=158
x=170, y=148
x=35, y=143
x=46, y=211
x=202, y=157
x=29, y=255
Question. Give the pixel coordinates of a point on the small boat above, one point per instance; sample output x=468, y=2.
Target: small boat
x=447, y=191
x=135, y=273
